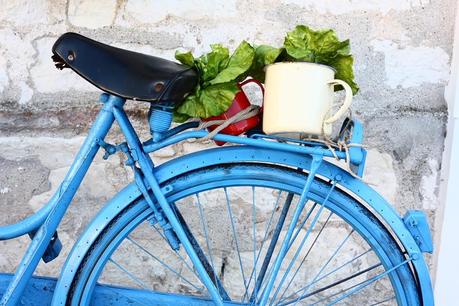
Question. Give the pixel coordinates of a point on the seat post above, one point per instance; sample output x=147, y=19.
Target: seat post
x=160, y=119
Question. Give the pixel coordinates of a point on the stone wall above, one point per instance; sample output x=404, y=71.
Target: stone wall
x=402, y=51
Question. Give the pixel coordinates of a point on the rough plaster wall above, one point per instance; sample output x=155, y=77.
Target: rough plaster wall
x=402, y=51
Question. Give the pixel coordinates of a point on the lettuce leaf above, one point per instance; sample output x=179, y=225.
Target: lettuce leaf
x=185, y=58
x=343, y=65
x=207, y=102
x=323, y=47
x=218, y=77
x=209, y=65
x=264, y=55
x=238, y=64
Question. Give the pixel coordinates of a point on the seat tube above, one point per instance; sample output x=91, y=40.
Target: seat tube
x=146, y=165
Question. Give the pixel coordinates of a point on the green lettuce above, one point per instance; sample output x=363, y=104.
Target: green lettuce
x=264, y=55
x=323, y=47
x=218, y=74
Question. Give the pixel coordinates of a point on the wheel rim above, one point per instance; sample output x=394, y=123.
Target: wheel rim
x=290, y=293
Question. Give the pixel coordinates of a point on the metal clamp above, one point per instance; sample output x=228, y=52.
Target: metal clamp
x=416, y=223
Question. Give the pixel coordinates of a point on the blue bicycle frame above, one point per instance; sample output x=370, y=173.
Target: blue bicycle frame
x=42, y=226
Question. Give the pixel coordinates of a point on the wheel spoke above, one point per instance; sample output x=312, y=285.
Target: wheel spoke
x=343, y=265
x=300, y=227
x=386, y=300
x=233, y=228
x=369, y=282
x=306, y=255
x=163, y=263
x=297, y=253
x=334, y=284
x=328, y=261
x=329, y=273
x=131, y=276
x=177, y=254
x=254, y=230
x=308, y=214
x=306, y=236
x=265, y=236
x=206, y=233
x=272, y=245
x=202, y=257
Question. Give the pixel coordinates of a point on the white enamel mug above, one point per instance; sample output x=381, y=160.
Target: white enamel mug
x=298, y=98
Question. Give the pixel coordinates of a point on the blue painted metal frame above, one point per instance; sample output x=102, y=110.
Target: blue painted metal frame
x=356, y=158
x=46, y=227
x=45, y=222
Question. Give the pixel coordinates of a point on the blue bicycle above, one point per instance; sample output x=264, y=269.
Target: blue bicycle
x=266, y=221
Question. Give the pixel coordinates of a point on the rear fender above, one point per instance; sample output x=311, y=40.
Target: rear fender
x=235, y=154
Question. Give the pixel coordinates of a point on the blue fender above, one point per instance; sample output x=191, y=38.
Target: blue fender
x=236, y=154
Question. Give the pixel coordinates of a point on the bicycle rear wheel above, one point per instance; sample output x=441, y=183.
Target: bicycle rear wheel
x=236, y=216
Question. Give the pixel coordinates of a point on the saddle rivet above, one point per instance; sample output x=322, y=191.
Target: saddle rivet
x=71, y=56
x=158, y=86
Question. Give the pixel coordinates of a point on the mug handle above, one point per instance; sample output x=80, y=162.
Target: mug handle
x=346, y=104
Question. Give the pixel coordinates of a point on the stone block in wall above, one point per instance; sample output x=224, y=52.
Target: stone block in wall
x=14, y=65
x=24, y=12
x=412, y=66
x=150, y=12
x=47, y=79
x=92, y=14
x=34, y=167
x=3, y=74
x=337, y=7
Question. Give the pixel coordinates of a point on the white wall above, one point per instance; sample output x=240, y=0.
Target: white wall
x=447, y=269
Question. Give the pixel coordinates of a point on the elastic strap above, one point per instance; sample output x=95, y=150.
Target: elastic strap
x=222, y=124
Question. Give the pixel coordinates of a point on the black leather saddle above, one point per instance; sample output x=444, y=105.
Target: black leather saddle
x=124, y=73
